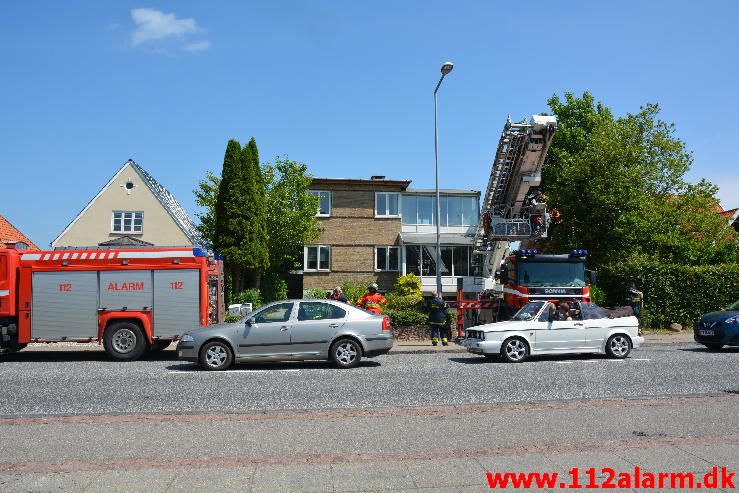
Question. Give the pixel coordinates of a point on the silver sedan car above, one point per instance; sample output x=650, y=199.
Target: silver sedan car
x=291, y=330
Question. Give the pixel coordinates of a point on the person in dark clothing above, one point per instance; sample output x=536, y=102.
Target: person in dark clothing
x=437, y=320
x=635, y=299
x=338, y=295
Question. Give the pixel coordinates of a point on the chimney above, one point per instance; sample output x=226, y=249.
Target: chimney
x=377, y=177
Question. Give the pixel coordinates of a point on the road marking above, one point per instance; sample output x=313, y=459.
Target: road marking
x=237, y=371
x=640, y=359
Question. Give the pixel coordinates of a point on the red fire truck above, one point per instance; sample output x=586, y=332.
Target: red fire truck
x=131, y=300
x=529, y=276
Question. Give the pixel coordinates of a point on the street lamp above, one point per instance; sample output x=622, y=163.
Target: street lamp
x=445, y=69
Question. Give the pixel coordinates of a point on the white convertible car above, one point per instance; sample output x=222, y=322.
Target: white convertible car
x=535, y=330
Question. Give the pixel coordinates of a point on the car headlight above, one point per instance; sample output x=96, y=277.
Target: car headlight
x=187, y=338
x=732, y=320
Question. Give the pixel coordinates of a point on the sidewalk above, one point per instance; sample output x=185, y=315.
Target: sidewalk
x=422, y=347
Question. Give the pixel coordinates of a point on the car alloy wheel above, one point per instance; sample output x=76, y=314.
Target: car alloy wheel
x=346, y=353
x=216, y=356
x=619, y=346
x=515, y=350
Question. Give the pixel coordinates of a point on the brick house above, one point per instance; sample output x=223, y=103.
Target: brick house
x=378, y=229
x=352, y=232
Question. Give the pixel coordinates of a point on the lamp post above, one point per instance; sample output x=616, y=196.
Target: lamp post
x=445, y=69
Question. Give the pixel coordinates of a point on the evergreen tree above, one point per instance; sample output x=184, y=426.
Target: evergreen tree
x=229, y=215
x=255, y=234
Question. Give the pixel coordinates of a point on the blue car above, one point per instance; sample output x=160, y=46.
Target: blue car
x=718, y=329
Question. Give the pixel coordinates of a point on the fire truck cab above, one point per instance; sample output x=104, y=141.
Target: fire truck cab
x=130, y=300
x=528, y=275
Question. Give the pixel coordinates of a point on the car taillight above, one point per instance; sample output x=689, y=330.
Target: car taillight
x=386, y=324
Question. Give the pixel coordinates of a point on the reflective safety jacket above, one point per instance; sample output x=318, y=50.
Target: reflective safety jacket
x=437, y=311
x=372, y=302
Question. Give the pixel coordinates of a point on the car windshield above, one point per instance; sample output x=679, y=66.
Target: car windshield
x=734, y=307
x=532, y=273
x=529, y=311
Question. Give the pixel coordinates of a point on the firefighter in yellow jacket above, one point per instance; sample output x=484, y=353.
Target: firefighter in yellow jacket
x=372, y=301
x=437, y=320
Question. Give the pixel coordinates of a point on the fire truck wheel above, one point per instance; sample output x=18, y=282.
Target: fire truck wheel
x=514, y=350
x=618, y=346
x=216, y=356
x=124, y=341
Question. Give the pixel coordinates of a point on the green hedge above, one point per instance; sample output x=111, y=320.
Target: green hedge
x=672, y=293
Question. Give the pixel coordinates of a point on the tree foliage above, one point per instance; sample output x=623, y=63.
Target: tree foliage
x=618, y=188
x=290, y=212
x=206, y=196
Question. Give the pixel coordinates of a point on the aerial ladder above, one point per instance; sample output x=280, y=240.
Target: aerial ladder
x=512, y=209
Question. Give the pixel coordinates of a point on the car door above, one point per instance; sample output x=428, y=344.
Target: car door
x=267, y=332
x=597, y=324
x=562, y=336
x=315, y=326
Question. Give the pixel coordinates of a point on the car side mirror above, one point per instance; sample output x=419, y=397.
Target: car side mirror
x=249, y=322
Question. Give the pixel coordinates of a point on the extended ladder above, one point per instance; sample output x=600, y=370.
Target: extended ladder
x=509, y=211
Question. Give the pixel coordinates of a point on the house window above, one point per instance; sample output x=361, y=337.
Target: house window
x=386, y=204
x=421, y=260
x=456, y=210
x=128, y=222
x=317, y=258
x=324, y=204
x=386, y=258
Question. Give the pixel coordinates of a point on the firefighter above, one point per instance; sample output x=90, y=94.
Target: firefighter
x=372, y=301
x=635, y=299
x=437, y=320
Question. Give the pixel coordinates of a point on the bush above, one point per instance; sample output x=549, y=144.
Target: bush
x=315, y=294
x=230, y=318
x=406, y=317
x=408, y=285
x=273, y=287
x=354, y=291
x=248, y=296
x=403, y=302
x=672, y=293
x=597, y=295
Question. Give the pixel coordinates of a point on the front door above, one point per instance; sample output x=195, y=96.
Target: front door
x=315, y=327
x=269, y=332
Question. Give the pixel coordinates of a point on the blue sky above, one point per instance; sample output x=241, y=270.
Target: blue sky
x=343, y=86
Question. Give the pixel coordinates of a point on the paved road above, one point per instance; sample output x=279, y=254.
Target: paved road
x=62, y=383
x=428, y=422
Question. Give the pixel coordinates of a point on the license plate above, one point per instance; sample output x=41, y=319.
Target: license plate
x=705, y=332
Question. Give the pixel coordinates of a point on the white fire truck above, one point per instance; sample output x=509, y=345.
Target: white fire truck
x=130, y=300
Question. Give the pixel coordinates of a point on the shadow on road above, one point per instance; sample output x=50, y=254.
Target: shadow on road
x=273, y=366
x=703, y=349
x=480, y=360
x=78, y=355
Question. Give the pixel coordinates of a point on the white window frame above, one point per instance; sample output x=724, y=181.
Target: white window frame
x=123, y=229
x=318, y=193
x=387, y=209
x=318, y=258
x=387, y=256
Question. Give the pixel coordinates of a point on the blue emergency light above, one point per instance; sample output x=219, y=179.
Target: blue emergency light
x=528, y=251
x=579, y=253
